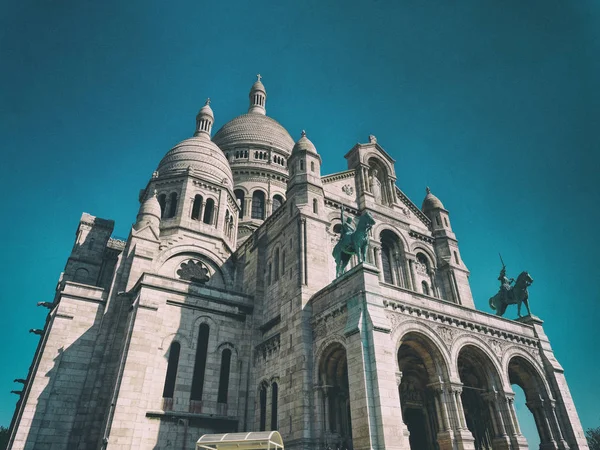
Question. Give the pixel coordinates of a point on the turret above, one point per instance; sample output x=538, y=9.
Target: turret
x=149, y=213
x=258, y=98
x=453, y=273
x=305, y=183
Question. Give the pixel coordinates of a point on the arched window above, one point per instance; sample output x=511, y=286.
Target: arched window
x=258, y=205
x=386, y=262
x=224, y=376
x=456, y=260
x=171, y=376
x=312, y=166
x=269, y=274
x=172, y=204
x=162, y=201
x=274, y=392
x=423, y=260
x=301, y=164
x=337, y=228
x=315, y=206
x=263, y=408
x=239, y=195
x=277, y=202
x=425, y=287
x=276, y=265
x=226, y=224
x=197, y=206
x=437, y=220
x=446, y=222
x=208, y=211
x=200, y=365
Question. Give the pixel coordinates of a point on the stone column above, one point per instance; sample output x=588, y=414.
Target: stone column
x=550, y=410
x=463, y=437
x=501, y=440
x=413, y=277
x=378, y=261
x=434, y=288
x=201, y=214
x=517, y=440
x=248, y=207
x=445, y=437
x=541, y=421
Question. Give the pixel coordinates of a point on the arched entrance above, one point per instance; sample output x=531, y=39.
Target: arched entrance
x=422, y=371
x=480, y=388
x=335, y=397
x=522, y=373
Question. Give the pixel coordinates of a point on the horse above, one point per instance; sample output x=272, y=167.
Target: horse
x=353, y=244
x=514, y=296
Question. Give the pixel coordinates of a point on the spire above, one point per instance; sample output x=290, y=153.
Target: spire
x=258, y=97
x=204, y=120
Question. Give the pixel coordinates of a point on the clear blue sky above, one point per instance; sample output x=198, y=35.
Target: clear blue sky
x=494, y=105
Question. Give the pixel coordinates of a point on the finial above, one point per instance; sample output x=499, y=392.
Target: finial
x=155, y=174
x=428, y=190
x=155, y=193
x=207, y=102
x=303, y=133
x=258, y=77
x=372, y=139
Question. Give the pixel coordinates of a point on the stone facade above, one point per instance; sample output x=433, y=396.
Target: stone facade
x=221, y=312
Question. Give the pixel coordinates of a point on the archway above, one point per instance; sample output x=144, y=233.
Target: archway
x=480, y=383
x=422, y=368
x=335, y=397
x=523, y=374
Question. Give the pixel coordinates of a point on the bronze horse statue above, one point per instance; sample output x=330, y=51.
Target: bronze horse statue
x=515, y=295
x=353, y=244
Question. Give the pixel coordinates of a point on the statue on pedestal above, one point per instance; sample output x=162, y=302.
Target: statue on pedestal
x=352, y=242
x=511, y=295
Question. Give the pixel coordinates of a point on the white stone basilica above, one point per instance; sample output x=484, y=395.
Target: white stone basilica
x=221, y=312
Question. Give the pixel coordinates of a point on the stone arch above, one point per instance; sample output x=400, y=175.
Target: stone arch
x=217, y=267
x=178, y=336
x=331, y=340
x=428, y=253
x=392, y=258
x=425, y=339
x=516, y=351
x=380, y=227
x=333, y=392
x=223, y=345
x=423, y=372
x=475, y=341
x=481, y=400
x=213, y=336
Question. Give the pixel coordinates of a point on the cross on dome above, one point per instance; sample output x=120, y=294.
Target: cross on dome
x=303, y=133
x=207, y=101
x=258, y=77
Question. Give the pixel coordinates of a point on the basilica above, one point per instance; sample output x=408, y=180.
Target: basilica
x=223, y=311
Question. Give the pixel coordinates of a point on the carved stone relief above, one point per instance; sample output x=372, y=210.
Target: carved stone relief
x=447, y=334
x=348, y=190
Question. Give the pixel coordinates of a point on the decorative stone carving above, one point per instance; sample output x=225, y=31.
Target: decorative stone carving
x=395, y=319
x=193, y=271
x=447, y=334
x=420, y=268
x=348, y=190
x=498, y=347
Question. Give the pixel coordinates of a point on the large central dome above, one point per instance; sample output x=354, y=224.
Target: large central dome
x=252, y=129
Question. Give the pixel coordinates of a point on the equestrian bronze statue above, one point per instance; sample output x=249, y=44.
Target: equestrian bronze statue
x=511, y=295
x=352, y=241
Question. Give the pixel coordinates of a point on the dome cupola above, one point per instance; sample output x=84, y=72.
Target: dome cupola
x=431, y=202
x=149, y=213
x=199, y=155
x=258, y=98
x=304, y=145
x=204, y=120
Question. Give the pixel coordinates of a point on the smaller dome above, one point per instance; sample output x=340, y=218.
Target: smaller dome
x=198, y=155
x=151, y=207
x=431, y=202
x=304, y=144
x=149, y=213
x=258, y=86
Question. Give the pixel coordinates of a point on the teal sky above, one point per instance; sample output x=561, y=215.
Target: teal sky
x=494, y=105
